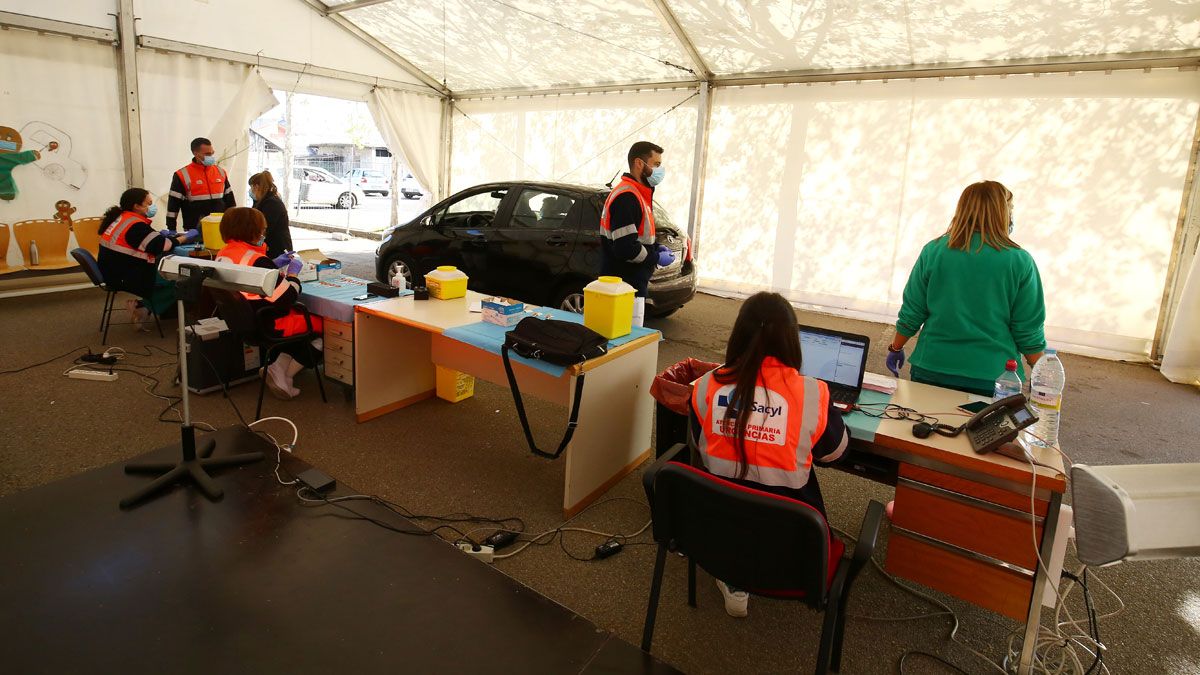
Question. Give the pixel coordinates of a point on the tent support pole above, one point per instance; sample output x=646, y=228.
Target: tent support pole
x=447, y=148
x=699, y=160
x=1187, y=234
x=131, y=110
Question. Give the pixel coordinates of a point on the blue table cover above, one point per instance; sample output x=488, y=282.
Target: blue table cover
x=490, y=337
x=863, y=427
x=333, y=298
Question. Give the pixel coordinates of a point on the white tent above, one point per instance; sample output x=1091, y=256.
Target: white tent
x=812, y=147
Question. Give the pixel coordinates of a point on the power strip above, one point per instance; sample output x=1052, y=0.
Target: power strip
x=87, y=374
x=483, y=553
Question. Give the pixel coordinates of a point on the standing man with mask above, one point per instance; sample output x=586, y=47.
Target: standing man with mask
x=198, y=189
x=628, y=248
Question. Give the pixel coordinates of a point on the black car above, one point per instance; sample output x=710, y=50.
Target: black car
x=535, y=242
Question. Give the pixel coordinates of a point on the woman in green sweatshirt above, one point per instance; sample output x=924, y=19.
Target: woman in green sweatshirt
x=976, y=298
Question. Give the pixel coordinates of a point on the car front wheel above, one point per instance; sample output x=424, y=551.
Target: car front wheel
x=570, y=300
x=400, y=264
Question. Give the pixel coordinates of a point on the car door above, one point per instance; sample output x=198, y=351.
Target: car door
x=469, y=225
x=533, y=250
x=317, y=189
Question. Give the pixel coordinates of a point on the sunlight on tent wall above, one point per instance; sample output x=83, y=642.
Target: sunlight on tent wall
x=576, y=139
x=845, y=183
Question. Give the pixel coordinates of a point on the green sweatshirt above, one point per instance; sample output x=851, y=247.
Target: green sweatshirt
x=975, y=309
x=8, y=162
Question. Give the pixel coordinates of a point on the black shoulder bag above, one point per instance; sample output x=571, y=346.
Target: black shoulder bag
x=562, y=343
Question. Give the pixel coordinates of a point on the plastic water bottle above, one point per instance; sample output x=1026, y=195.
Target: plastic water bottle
x=1009, y=382
x=1046, y=385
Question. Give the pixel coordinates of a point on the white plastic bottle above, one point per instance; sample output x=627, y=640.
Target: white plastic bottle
x=1009, y=382
x=1046, y=385
x=34, y=258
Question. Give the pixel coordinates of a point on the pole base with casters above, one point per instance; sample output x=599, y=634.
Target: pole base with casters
x=190, y=468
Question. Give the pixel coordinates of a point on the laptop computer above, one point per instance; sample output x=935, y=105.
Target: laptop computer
x=837, y=358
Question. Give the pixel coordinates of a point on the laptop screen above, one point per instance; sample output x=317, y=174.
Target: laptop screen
x=833, y=357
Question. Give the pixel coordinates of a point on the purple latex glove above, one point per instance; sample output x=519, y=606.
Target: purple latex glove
x=192, y=234
x=895, y=361
x=294, y=266
x=282, y=260
x=665, y=257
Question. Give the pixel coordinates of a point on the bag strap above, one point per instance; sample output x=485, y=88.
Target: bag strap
x=572, y=422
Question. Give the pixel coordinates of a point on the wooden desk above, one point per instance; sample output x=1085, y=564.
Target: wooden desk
x=399, y=341
x=962, y=522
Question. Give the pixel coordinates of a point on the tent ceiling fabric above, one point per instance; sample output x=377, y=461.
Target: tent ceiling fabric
x=504, y=44
x=516, y=44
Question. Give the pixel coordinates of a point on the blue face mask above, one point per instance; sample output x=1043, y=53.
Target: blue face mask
x=152, y=211
x=210, y=160
x=11, y=146
x=656, y=176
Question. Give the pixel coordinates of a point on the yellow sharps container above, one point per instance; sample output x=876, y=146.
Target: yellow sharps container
x=446, y=282
x=210, y=229
x=608, y=307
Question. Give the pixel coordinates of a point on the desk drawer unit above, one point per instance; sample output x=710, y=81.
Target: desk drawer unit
x=339, y=351
x=973, y=541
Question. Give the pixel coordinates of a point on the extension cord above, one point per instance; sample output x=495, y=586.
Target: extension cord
x=483, y=553
x=87, y=374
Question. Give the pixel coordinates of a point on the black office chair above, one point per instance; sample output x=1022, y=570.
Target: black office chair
x=92, y=269
x=760, y=542
x=247, y=324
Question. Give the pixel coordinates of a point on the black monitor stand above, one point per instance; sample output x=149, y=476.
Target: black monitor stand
x=192, y=466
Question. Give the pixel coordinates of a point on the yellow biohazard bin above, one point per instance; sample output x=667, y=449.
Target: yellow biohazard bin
x=454, y=386
x=608, y=307
x=210, y=229
x=446, y=282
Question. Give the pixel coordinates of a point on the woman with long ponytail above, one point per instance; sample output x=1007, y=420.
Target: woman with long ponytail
x=129, y=252
x=760, y=422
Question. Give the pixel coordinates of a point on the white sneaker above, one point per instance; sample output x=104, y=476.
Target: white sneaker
x=277, y=382
x=736, y=602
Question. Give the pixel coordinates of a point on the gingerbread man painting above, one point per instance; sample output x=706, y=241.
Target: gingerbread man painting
x=10, y=158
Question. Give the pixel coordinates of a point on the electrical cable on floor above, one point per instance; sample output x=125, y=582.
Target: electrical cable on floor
x=935, y=657
x=538, y=538
x=42, y=363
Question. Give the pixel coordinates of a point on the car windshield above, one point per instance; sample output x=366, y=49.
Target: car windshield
x=661, y=217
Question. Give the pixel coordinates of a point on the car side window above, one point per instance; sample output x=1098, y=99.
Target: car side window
x=473, y=211
x=541, y=210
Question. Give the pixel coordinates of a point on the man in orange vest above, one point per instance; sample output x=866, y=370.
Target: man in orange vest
x=198, y=189
x=627, y=244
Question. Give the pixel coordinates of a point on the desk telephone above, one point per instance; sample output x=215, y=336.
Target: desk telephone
x=999, y=423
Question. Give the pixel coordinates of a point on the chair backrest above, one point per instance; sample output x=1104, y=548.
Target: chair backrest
x=87, y=233
x=750, y=539
x=238, y=314
x=90, y=267
x=51, y=237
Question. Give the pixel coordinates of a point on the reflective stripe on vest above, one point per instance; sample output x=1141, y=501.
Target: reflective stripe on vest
x=114, y=238
x=241, y=253
x=788, y=420
x=644, y=230
x=200, y=184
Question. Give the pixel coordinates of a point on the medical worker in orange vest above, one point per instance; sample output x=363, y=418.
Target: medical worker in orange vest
x=129, y=252
x=759, y=422
x=198, y=189
x=244, y=230
x=627, y=245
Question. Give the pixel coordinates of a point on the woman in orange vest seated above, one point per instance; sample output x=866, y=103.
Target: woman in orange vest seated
x=759, y=422
x=243, y=230
x=129, y=252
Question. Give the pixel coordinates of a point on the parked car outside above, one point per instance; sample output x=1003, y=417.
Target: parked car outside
x=314, y=185
x=535, y=242
x=370, y=181
x=410, y=188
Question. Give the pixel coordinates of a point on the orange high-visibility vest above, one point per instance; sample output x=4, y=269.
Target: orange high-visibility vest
x=202, y=182
x=114, y=237
x=645, y=197
x=789, y=415
x=292, y=323
x=241, y=253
